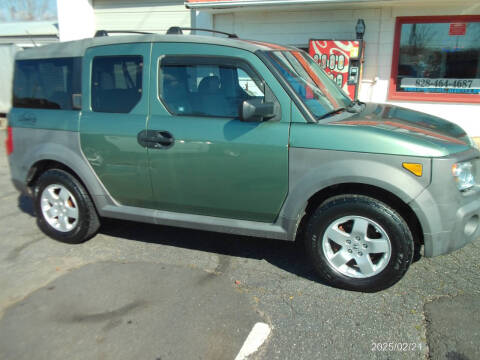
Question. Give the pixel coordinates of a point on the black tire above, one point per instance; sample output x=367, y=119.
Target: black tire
x=393, y=225
x=88, y=221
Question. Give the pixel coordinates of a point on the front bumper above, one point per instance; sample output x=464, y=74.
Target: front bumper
x=449, y=227
x=450, y=219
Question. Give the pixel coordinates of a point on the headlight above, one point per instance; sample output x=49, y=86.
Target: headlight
x=473, y=143
x=462, y=172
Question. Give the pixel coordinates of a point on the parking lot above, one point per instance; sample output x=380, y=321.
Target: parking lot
x=153, y=292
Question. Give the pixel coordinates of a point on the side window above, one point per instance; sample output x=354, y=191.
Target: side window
x=116, y=83
x=46, y=83
x=207, y=88
x=247, y=84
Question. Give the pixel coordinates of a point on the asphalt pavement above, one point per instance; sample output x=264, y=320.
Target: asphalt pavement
x=139, y=291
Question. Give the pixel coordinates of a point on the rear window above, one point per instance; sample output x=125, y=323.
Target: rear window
x=46, y=83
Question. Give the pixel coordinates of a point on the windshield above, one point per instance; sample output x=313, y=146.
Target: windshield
x=317, y=91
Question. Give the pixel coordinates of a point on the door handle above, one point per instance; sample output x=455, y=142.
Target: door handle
x=155, y=139
x=164, y=138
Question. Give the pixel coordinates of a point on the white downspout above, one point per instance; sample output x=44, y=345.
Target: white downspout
x=76, y=19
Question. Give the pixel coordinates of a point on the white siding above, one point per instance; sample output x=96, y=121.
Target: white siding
x=151, y=16
x=7, y=56
x=75, y=19
x=296, y=27
x=28, y=33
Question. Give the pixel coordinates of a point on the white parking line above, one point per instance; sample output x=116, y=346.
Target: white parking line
x=255, y=339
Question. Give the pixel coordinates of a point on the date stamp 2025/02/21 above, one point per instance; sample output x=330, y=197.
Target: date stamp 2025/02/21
x=396, y=346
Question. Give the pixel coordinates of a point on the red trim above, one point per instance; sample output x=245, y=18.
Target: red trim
x=393, y=94
x=9, y=141
x=205, y=1
x=400, y=126
x=269, y=45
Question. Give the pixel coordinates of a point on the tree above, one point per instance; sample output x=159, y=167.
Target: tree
x=420, y=35
x=27, y=10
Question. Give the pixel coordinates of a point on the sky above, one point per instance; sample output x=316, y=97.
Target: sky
x=25, y=10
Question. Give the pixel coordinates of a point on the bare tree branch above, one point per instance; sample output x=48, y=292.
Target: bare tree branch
x=25, y=10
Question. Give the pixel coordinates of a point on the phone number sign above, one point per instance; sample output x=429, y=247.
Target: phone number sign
x=455, y=86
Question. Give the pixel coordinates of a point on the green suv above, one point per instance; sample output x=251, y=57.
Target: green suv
x=242, y=137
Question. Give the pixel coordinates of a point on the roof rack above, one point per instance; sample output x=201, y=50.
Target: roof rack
x=176, y=30
x=101, y=33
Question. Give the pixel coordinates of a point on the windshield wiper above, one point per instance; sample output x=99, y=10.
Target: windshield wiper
x=331, y=113
x=356, y=106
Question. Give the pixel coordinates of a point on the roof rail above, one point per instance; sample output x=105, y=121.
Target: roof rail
x=101, y=33
x=176, y=30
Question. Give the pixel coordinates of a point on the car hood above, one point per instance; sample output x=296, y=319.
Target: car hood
x=382, y=129
x=402, y=123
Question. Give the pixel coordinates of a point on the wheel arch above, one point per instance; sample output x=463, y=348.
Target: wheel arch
x=41, y=166
x=317, y=174
x=372, y=191
x=355, y=188
x=52, y=156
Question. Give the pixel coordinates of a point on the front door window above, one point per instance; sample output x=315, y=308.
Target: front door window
x=206, y=89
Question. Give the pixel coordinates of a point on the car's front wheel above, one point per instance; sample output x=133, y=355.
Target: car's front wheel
x=64, y=209
x=359, y=243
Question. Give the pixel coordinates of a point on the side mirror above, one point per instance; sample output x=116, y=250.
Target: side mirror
x=255, y=110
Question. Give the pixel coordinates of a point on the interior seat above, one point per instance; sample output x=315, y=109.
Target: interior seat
x=212, y=101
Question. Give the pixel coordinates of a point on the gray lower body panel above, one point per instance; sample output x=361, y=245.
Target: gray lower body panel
x=192, y=221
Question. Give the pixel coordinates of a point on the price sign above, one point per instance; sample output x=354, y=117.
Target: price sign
x=334, y=57
x=457, y=29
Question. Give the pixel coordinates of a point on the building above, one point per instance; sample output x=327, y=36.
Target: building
x=28, y=33
x=81, y=18
x=423, y=55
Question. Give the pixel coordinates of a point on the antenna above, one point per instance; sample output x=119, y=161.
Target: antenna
x=31, y=38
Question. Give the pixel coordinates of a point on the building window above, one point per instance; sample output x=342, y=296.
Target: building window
x=436, y=58
x=46, y=83
x=116, y=83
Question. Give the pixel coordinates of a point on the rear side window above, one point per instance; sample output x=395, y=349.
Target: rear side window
x=116, y=83
x=46, y=83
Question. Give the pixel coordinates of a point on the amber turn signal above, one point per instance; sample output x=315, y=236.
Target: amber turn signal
x=415, y=169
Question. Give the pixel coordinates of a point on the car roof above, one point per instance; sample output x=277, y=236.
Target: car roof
x=77, y=48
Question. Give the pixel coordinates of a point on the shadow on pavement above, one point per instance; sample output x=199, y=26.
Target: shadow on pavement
x=288, y=256
x=285, y=255
x=25, y=204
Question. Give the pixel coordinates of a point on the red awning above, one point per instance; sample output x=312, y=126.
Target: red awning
x=218, y=4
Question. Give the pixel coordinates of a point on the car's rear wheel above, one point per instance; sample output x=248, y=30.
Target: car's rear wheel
x=359, y=243
x=64, y=209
